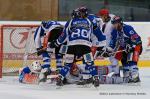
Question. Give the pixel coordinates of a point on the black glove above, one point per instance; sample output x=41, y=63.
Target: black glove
x=129, y=49
x=105, y=51
x=40, y=50
x=53, y=44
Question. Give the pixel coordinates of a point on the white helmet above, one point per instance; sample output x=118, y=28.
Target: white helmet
x=36, y=66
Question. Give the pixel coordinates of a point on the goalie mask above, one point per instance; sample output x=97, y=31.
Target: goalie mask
x=36, y=66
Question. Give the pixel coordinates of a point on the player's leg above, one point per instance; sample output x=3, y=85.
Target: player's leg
x=59, y=61
x=45, y=67
x=89, y=62
x=125, y=65
x=69, y=59
x=134, y=72
x=59, y=57
x=130, y=69
x=114, y=67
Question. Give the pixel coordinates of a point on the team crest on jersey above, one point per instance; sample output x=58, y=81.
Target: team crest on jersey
x=83, y=24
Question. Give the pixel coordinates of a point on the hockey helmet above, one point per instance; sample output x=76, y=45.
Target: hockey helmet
x=83, y=11
x=117, y=19
x=103, y=12
x=36, y=66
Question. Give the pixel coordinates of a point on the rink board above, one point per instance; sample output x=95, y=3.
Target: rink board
x=19, y=63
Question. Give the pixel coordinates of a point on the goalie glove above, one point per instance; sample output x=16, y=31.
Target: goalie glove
x=53, y=44
x=40, y=50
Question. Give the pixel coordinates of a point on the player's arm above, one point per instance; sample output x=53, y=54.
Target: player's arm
x=62, y=38
x=37, y=39
x=106, y=51
x=23, y=72
x=135, y=40
x=113, y=39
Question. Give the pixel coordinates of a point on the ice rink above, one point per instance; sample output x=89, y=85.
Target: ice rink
x=10, y=88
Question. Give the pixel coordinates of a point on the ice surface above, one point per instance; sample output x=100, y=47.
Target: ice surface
x=11, y=89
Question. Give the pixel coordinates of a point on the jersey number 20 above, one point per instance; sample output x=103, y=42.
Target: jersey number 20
x=80, y=33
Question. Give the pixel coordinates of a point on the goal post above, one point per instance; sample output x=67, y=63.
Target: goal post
x=1, y=52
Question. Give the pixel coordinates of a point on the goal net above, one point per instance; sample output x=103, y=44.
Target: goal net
x=16, y=43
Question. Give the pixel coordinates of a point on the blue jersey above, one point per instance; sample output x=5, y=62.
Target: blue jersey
x=97, y=30
x=94, y=19
x=44, y=30
x=127, y=36
x=77, y=31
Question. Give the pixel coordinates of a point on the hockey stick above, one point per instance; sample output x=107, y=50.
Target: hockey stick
x=118, y=52
x=111, y=54
x=35, y=53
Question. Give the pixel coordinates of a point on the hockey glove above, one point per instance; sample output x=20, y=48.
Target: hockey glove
x=40, y=50
x=53, y=44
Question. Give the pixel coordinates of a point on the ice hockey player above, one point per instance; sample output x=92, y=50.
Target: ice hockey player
x=29, y=74
x=49, y=31
x=124, y=37
x=78, y=34
x=107, y=27
x=101, y=38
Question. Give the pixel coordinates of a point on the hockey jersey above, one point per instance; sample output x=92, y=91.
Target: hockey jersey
x=97, y=23
x=127, y=36
x=107, y=28
x=78, y=31
x=45, y=30
x=26, y=75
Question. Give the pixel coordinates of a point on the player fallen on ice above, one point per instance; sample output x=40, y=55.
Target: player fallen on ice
x=30, y=74
x=49, y=31
x=124, y=37
x=78, y=33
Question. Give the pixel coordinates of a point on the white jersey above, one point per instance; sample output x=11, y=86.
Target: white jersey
x=108, y=29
